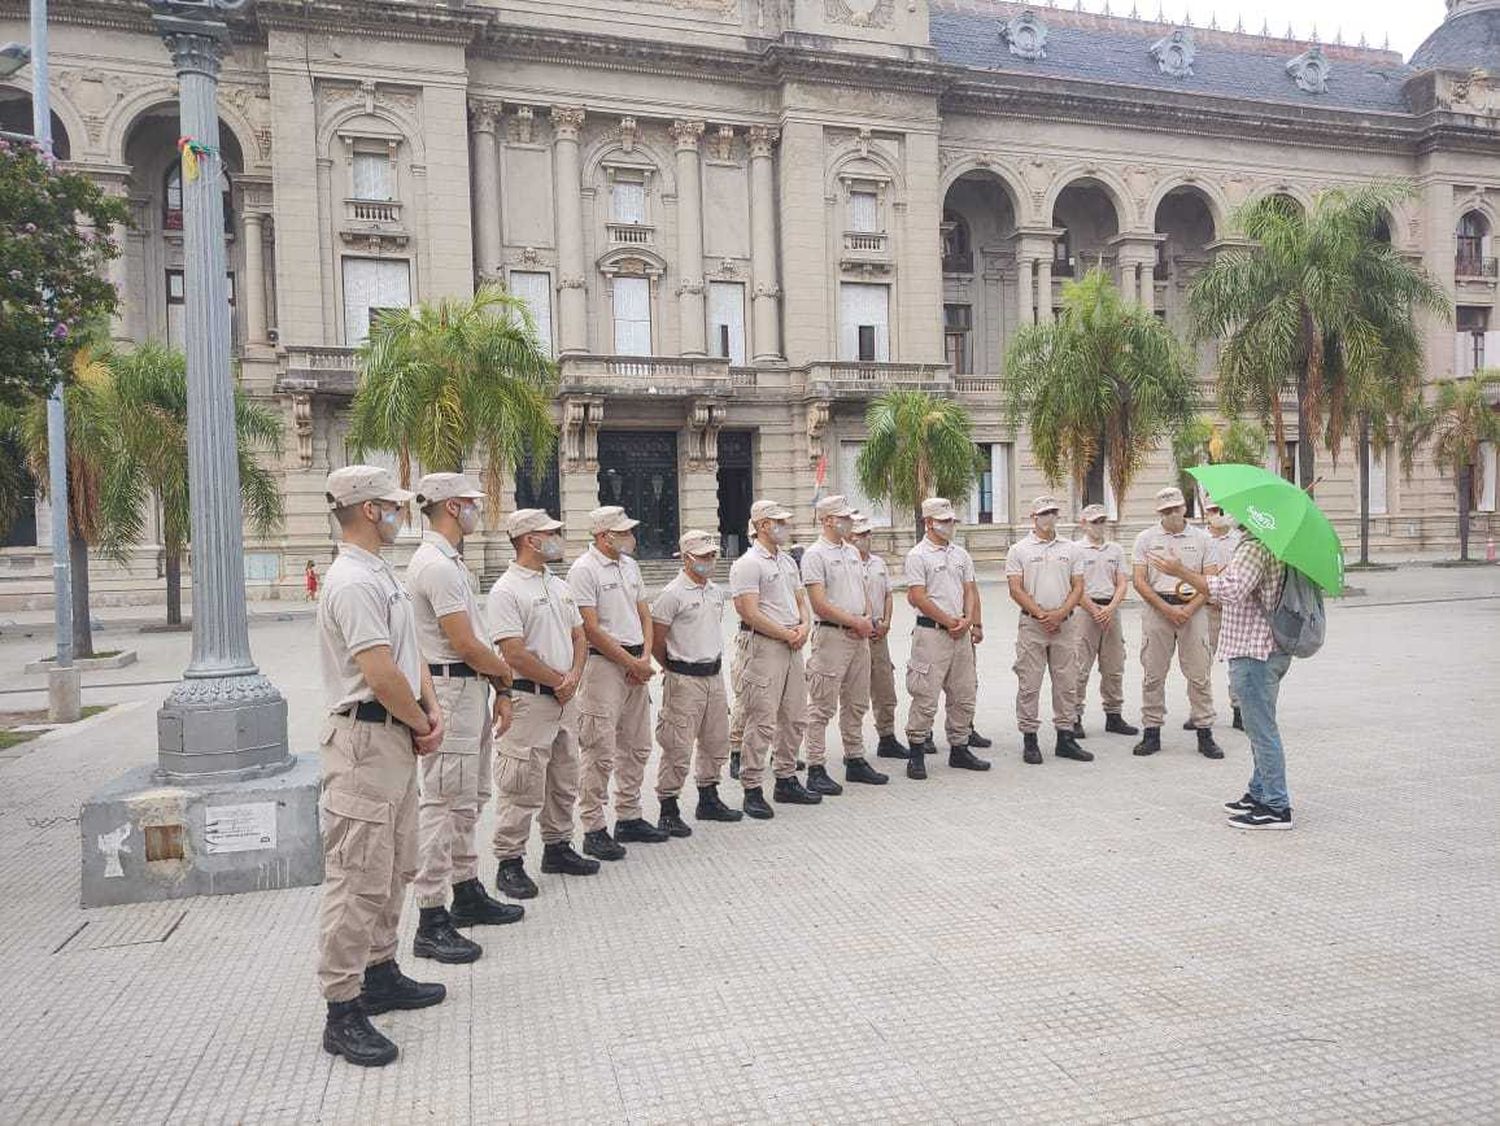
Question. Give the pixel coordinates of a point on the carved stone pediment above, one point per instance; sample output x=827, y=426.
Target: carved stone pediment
x=1026, y=36
x=1174, y=53
x=1310, y=70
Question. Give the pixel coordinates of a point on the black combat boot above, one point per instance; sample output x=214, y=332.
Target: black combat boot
x=818, y=782
x=1115, y=724
x=978, y=741
x=1150, y=742
x=1206, y=745
x=387, y=988
x=1078, y=731
x=559, y=858
x=671, y=821
x=916, y=763
x=790, y=791
x=639, y=831
x=472, y=906
x=858, y=770
x=710, y=808
x=961, y=758
x=1239, y=719
x=349, y=1033
x=437, y=939
x=512, y=881
x=1031, y=751
x=891, y=747
x=1189, y=725
x=600, y=845
x=756, y=805
x=924, y=745
x=1067, y=747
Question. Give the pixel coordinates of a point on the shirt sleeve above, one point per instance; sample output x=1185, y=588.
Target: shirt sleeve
x=360, y=612
x=1013, y=564
x=569, y=605
x=814, y=567
x=966, y=566
x=504, y=614
x=744, y=577
x=664, y=609
x=1239, y=580
x=1077, y=561
x=583, y=583
x=915, y=570
x=446, y=588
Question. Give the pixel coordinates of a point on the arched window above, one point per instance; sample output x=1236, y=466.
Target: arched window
x=1474, y=246
x=958, y=252
x=172, y=199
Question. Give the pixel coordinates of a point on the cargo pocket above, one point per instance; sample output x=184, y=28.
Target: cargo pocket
x=917, y=675
x=457, y=775
x=359, y=841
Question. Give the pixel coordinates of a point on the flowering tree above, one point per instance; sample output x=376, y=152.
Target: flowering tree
x=54, y=246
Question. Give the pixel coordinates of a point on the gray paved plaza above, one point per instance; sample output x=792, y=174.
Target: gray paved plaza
x=1069, y=943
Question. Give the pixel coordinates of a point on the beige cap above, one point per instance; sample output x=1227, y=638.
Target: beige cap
x=1093, y=512
x=1170, y=497
x=355, y=484
x=862, y=525
x=524, y=521
x=697, y=542
x=610, y=518
x=446, y=486
x=836, y=505
x=1045, y=504
x=767, y=510
x=937, y=508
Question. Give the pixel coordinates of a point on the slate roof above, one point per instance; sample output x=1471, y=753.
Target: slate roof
x=1464, y=41
x=1118, y=52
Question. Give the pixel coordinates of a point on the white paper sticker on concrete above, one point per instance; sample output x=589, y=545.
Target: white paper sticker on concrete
x=239, y=828
x=112, y=845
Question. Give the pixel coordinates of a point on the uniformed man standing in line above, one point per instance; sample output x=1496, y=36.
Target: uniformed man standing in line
x=1172, y=622
x=688, y=642
x=942, y=589
x=540, y=633
x=1106, y=578
x=383, y=716
x=769, y=684
x=1223, y=538
x=614, y=702
x=838, y=671
x=1045, y=576
x=882, y=671
x=455, y=782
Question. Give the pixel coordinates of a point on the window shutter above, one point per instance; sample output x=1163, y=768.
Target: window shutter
x=726, y=304
x=1000, y=458
x=632, y=317
x=864, y=212
x=1379, y=484
x=535, y=289
x=1489, y=465
x=372, y=176
x=628, y=202
x=372, y=284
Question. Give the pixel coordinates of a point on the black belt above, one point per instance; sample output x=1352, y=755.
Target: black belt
x=457, y=668
x=746, y=627
x=633, y=650
x=1101, y=601
x=1172, y=599
x=834, y=625
x=534, y=688
x=695, y=668
x=369, y=711
x=927, y=623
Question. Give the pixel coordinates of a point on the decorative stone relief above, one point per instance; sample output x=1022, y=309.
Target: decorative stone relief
x=1174, y=53
x=567, y=122
x=630, y=132
x=1310, y=71
x=687, y=134
x=1026, y=36
x=485, y=114
x=1477, y=93
x=302, y=421
x=723, y=143
x=859, y=13
x=522, y=125
x=94, y=96
x=705, y=420
x=531, y=256
x=763, y=139
x=582, y=417
x=728, y=269
x=817, y=424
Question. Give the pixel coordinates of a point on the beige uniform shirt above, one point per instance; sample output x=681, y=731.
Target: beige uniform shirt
x=1220, y=549
x=877, y=585
x=612, y=588
x=944, y=571
x=1103, y=563
x=440, y=584
x=537, y=607
x=774, y=577
x=363, y=606
x=1046, y=568
x=841, y=571
x=693, y=617
x=1189, y=545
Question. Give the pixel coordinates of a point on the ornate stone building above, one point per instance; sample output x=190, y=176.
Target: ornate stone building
x=738, y=220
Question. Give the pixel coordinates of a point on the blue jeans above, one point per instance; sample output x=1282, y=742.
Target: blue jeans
x=1257, y=684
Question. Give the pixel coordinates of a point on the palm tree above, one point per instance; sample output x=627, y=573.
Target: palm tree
x=1459, y=420
x=443, y=379
x=1205, y=441
x=147, y=404
x=1106, y=382
x=919, y=446
x=1319, y=306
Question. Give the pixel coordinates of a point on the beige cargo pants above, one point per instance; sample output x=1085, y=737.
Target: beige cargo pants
x=882, y=686
x=770, y=699
x=614, y=741
x=536, y=774
x=1055, y=654
x=694, y=709
x=455, y=784
x=1108, y=647
x=369, y=822
x=1159, y=639
x=940, y=663
x=838, y=680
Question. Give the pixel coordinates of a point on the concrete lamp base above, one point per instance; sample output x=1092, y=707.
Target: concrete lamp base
x=145, y=840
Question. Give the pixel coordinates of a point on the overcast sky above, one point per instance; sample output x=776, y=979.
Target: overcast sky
x=1407, y=22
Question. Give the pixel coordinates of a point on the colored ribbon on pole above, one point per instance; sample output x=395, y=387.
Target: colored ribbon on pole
x=193, y=153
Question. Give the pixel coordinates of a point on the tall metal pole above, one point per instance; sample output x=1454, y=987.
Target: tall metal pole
x=63, y=685
x=225, y=720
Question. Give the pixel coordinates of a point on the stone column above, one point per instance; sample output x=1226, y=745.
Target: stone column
x=573, y=329
x=1024, y=293
x=1044, y=290
x=693, y=323
x=484, y=117
x=766, y=316
x=255, y=278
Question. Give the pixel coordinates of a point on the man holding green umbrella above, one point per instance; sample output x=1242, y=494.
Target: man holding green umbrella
x=1285, y=529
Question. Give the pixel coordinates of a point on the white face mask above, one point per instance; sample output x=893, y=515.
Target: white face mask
x=843, y=528
x=1094, y=531
x=390, y=524
x=944, y=528
x=1046, y=522
x=862, y=544
x=703, y=568
x=1174, y=521
x=780, y=534
x=552, y=549
x=468, y=519
x=1220, y=520
x=624, y=543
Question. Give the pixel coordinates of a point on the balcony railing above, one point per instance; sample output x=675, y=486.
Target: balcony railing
x=323, y=370
x=652, y=375
x=976, y=384
x=630, y=234
x=866, y=244
x=1473, y=266
x=845, y=377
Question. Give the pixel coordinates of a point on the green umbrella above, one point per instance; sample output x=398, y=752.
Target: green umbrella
x=1279, y=515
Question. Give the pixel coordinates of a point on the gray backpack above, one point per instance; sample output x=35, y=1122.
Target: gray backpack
x=1298, y=622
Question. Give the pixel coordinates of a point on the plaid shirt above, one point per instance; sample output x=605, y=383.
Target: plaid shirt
x=1248, y=590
